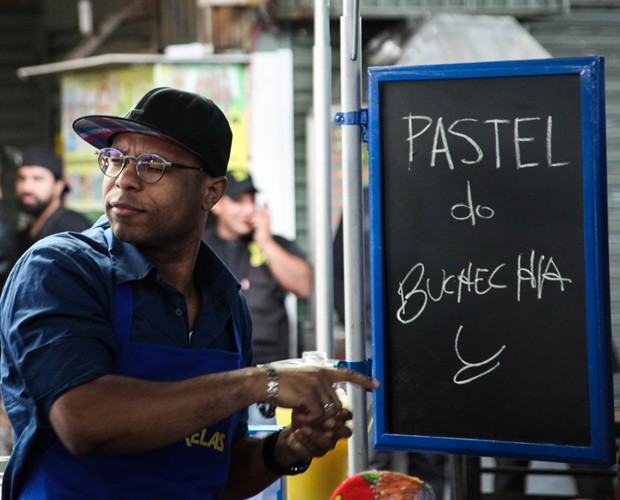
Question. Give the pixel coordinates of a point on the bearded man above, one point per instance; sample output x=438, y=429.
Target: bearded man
x=40, y=189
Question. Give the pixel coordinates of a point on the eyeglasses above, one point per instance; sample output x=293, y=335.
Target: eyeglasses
x=149, y=167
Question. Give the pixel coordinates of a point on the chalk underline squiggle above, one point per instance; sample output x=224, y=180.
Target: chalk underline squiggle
x=469, y=365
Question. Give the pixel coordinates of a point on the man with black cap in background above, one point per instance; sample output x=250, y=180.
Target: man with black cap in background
x=268, y=266
x=127, y=348
x=39, y=190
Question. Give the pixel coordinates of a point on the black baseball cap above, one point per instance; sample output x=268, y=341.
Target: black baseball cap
x=183, y=118
x=42, y=156
x=239, y=182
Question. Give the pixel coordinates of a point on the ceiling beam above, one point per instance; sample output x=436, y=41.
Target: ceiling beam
x=121, y=11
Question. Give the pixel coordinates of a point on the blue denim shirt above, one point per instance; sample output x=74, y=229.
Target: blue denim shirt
x=56, y=328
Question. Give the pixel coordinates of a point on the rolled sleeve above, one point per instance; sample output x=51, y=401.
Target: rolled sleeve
x=55, y=325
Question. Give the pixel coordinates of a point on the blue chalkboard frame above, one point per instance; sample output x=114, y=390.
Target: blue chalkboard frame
x=591, y=73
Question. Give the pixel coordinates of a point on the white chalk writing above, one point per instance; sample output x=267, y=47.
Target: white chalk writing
x=466, y=142
x=446, y=140
x=470, y=211
x=472, y=367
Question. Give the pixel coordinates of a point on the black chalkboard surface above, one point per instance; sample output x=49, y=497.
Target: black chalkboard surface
x=489, y=259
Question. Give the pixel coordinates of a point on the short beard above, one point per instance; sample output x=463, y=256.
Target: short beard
x=35, y=209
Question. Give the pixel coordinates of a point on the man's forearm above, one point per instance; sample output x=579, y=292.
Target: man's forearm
x=292, y=273
x=115, y=414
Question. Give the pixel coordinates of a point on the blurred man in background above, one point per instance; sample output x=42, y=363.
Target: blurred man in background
x=39, y=189
x=268, y=266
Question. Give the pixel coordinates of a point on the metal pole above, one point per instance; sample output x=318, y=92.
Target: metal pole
x=323, y=252
x=350, y=67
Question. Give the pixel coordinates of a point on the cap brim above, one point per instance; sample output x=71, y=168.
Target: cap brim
x=236, y=193
x=97, y=130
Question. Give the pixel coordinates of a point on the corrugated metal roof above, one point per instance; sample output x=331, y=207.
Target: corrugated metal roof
x=456, y=38
x=394, y=9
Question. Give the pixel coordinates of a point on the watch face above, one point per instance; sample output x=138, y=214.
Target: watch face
x=271, y=463
x=298, y=469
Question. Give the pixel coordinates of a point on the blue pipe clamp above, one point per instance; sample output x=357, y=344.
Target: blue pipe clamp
x=354, y=118
x=363, y=367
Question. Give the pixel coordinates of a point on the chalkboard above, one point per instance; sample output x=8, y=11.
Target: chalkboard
x=489, y=265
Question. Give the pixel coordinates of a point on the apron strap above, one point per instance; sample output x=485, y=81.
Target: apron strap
x=123, y=294
x=123, y=310
x=237, y=337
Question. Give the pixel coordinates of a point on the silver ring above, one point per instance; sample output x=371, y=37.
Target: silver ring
x=329, y=406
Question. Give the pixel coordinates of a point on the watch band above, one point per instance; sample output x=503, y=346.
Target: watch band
x=269, y=458
x=267, y=408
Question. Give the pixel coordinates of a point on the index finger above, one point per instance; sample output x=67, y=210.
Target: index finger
x=345, y=375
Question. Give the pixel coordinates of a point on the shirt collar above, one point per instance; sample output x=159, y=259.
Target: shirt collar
x=130, y=264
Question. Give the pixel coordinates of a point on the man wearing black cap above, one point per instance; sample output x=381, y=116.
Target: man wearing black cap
x=39, y=189
x=268, y=266
x=127, y=348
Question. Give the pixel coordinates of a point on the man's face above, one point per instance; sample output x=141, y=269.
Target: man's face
x=234, y=215
x=166, y=214
x=36, y=188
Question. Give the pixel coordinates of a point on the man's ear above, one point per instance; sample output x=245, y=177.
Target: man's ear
x=216, y=187
x=59, y=187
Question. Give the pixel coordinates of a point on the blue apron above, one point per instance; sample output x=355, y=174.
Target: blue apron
x=196, y=467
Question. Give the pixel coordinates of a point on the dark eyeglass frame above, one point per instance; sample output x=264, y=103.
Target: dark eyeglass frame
x=136, y=159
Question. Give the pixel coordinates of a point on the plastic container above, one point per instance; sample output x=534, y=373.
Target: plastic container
x=325, y=473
